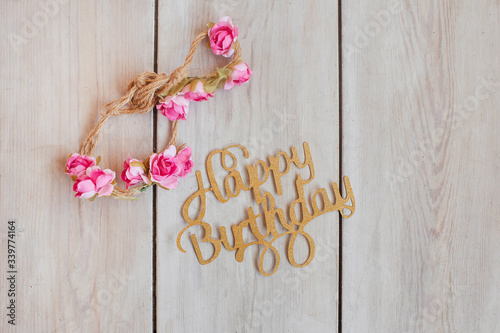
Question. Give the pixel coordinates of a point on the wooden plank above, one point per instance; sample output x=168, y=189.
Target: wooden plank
x=421, y=145
x=82, y=266
x=291, y=98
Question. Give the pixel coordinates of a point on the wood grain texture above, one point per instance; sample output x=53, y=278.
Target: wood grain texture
x=421, y=145
x=82, y=266
x=291, y=98
x=421, y=89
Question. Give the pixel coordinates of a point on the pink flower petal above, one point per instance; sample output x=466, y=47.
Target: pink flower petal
x=105, y=190
x=228, y=53
x=87, y=195
x=226, y=43
x=103, y=180
x=170, y=182
x=85, y=186
x=226, y=19
x=170, y=151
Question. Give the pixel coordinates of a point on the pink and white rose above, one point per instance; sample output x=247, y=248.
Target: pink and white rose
x=184, y=161
x=240, y=74
x=174, y=107
x=222, y=36
x=134, y=172
x=94, y=181
x=77, y=164
x=164, y=169
x=198, y=95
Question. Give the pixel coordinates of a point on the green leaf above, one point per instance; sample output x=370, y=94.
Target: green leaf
x=224, y=72
x=221, y=83
x=98, y=160
x=210, y=88
x=178, y=87
x=93, y=198
x=217, y=80
x=210, y=25
x=193, y=84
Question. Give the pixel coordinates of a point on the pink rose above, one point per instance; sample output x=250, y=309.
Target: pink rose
x=77, y=164
x=132, y=174
x=198, y=95
x=174, y=107
x=222, y=36
x=94, y=181
x=164, y=169
x=240, y=74
x=184, y=161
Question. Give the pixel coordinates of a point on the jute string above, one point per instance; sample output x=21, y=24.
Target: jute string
x=142, y=96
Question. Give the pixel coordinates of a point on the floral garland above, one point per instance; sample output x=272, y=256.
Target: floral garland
x=171, y=95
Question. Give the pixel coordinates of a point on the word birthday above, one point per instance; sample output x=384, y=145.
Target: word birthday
x=258, y=174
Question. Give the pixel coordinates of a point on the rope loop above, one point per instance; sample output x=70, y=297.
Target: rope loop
x=171, y=95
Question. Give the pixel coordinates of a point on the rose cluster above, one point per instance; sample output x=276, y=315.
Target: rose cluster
x=222, y=35
x=90, y=180
x=164, y=169
x=167, y=167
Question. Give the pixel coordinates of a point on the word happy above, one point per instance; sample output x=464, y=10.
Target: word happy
x=258, y=174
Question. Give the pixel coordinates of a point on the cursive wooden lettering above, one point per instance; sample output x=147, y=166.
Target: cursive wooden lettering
x=271, y=213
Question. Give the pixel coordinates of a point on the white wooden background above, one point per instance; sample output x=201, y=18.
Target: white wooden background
x=409, y=111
